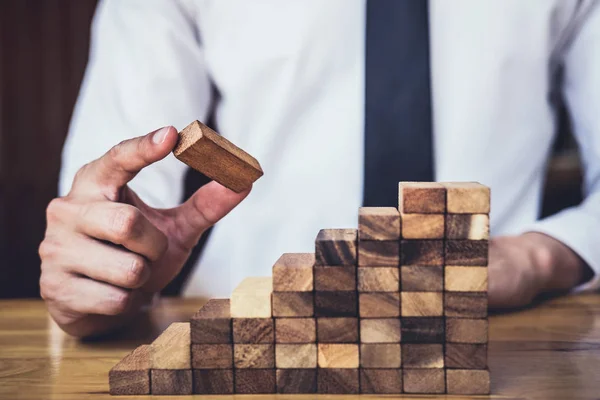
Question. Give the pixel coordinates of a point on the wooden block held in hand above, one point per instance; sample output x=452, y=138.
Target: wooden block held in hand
x=212, y=356
x=468, y=381
x=336, y=304
x=423, y=226
x=467, y=226
x=335, y=355
x=425, y=381
x=467, y=252
x=380, y=330
x=293, y=272
x=253, y=330
x=296, y=381
x=331, y=279
x=379, y=304
x=252, y=298
x=459, y=330
x=337, y=381
x=296, y=356
x=381, y=381
x=421, y=198
x=378, y=253
x=131, y=375
x=336, y=247
x=466, y=279
x=213, y=381
x=212, y=323
x=422, y=304
x=171, y=381
x=466, y=356
x=467, y=198
x=254, y=381
x=293, y=304
x=422, y=252
x=171, y=350
x=465, y=305
x=378, y=223
x=380, y=355
x=211, y=154
x=422, y=355
x=254, y=356
x=295, y=330
x=337, y=330
x=423, y=330
x=415, y=278
x=382, y=279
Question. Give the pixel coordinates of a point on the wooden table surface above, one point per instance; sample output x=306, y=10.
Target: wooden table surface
x=551, y=351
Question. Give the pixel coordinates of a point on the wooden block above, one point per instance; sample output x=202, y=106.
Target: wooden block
x=252, y=298
x=335, y=355
x=381, y=381
x=380, y=330
x=416, y=278
x=254, y=356
x=293, y=272
x=337, y=381
x=467, y=226
x=384, y=279
x=467, y=198
x=211, y=154
x=468, y=381
x=378, y=253
x=379, y=304
x=295, y=330
x=422, y=304
x=213, y=381
x=425, y=381
x=460, y=330
x=422, y=252
x=296, y=356
x=422, y=355
x=336, y=304
x=212, y=356
x=212, y=323
x=380, y=355
x=423, y=330
x=423, y=226
x=253, y=330
x=337, y=330
x=131, y=375
x=171, y=350
x=331, y=279
x=465, y=305
x=421, y=198
x=255, y=381
x=466, y=356
x=296, y=381
x=467, y=252
x=378, y=223
x=293, y=304
x=336, y=247
x=171, y=381
x=466, y=279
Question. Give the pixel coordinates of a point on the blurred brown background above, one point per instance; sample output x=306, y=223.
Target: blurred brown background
x=43, y=53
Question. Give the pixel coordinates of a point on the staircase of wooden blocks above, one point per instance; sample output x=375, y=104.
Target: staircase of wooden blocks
x=397, y=306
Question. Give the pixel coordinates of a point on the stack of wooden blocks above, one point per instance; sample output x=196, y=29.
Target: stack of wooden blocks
x=398, y=305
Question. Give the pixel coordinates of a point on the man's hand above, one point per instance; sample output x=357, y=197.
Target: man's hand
x=106, y=253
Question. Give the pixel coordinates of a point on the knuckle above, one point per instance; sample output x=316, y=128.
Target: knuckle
x=136, y=273
x=125, y=223
x=55, y=209
x=49, y=286
x=116, y=151
x=81, y=172
x=47, y=250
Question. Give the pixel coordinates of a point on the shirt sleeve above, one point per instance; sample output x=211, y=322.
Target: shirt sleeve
x=578, y=227
x=146, y=70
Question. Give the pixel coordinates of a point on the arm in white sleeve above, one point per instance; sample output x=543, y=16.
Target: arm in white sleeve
x=146, y=70
x=578, y=227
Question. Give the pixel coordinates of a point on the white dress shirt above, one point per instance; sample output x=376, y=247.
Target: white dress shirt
x=291, y=79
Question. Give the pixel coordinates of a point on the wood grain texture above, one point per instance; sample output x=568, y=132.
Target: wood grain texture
x=296, y=356
x=422, y=252
x=467, y=198
x=459, y=330
x=379, y=304
x=295, y=330
x=424, y=381
x=380, y=355
x=378, y=253
x=466, y=356
x=212, y=356
x=423, y=330
x=381, y=381
x=293, y=304
x=211, y=154
x=422, y=304
x=252, y=298
x=416, y=278
x=213, y=381
x=131, y=375
x=254, y=356
x=466, y=252
x=465, y=305
x=171, y=381
x=468, y=381
x=421, y=198
x=171, y=350
x=336, y=304
x=383, y=279
x=296, y=381
x=423, y=226
x=336, y=247
x=467, y=226
x=255, y=381
x=378, y=223
x=337, y=355
x=337, y=381
x=253, y=330
x=422, y=355
x=293, y=272
x=212, y=323
x=337, y=330
x=330, y=279
x=380, y=330
x=466, y=279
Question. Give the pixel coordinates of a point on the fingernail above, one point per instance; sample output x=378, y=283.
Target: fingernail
x=160, y=135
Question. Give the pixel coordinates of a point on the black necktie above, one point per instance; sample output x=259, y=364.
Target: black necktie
x=398, y=138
